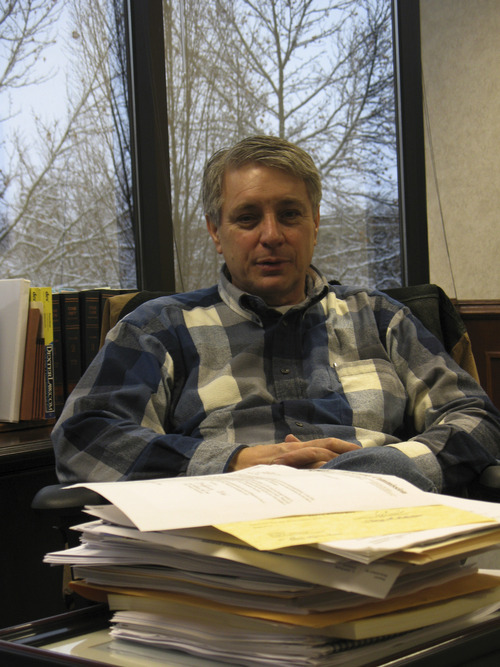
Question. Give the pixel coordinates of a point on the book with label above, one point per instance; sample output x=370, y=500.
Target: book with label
x=14, y=307
x=43, y=295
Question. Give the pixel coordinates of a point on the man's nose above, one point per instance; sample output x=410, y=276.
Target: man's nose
x=271, y=231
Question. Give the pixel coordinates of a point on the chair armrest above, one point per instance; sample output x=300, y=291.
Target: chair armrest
x=57, y=497
x=491, y=477
x=487, y=487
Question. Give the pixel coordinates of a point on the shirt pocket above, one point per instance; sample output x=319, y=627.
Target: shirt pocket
x=375, y=394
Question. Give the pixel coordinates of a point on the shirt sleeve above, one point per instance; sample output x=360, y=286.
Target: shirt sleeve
x=455, y=426
x=114, y=425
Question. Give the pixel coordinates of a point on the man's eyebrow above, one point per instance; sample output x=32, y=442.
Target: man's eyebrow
x=285, y=201
x=243, y=207
x=291, y=201
x=251, y=206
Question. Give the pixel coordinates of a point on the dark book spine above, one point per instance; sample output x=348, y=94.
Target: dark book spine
x=90, y=325
x=40, y=380
x=71, y=339
x=59, y=394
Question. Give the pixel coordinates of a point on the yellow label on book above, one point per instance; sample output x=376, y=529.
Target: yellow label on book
x=44, y=296
x=267, y=534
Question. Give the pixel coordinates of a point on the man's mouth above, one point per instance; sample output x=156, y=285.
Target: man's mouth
x=272, y=262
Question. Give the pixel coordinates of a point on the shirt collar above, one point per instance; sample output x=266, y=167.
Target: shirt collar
x=248, y=305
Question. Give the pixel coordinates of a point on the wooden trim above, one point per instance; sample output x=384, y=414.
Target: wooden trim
x=479, y=307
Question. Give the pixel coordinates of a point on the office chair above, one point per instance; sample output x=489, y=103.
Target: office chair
x=429, y=303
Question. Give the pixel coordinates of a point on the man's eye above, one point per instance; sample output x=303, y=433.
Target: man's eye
x=290, y=215
x=246, y=220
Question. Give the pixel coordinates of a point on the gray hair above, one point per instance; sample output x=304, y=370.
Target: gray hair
x=266, y=150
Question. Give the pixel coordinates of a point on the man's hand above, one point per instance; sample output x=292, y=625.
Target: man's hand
x=292, y=452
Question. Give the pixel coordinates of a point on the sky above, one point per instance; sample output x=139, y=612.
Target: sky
x=47, y=98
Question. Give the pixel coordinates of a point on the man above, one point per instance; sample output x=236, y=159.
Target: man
x=273, y=365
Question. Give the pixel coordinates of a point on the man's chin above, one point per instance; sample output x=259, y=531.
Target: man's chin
x=277, y=294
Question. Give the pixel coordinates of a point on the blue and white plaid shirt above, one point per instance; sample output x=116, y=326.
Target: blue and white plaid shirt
x=185, y=381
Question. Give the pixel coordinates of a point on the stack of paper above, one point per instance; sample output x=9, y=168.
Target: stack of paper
x=280, y=566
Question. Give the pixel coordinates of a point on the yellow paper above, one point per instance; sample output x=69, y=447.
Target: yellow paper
x=463, y=544
x=267, y=534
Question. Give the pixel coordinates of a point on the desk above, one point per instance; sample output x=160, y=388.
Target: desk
x=84, y=634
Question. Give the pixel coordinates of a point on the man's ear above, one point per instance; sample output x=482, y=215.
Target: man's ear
x=214, y=233
x=316, y=225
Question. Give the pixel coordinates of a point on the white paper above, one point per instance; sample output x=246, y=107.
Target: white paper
x=316, y=568
x=261, y=492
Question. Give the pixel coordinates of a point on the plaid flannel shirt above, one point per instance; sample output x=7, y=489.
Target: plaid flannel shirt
x=185, y=381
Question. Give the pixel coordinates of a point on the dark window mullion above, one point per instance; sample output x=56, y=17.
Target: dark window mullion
x=149, y=145
x=411, y=150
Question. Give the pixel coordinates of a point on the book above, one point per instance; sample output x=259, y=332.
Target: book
x=58, y=356
x=14, y=308
x=39, y=388
x=44, y=296
x=69, y=306
x=33, y=334
x=90, y=324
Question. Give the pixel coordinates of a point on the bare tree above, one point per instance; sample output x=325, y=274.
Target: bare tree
x=317, y=73
x=200, y=120
x=69, y=219
x=24, y=34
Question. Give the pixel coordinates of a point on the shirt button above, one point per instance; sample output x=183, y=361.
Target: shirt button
x=285, y=371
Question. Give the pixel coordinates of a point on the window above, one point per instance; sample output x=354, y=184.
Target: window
x=65, y=160
x=91, y=193
x=319, y=73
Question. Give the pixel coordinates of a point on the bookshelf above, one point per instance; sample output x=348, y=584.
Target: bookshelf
x=30, y=589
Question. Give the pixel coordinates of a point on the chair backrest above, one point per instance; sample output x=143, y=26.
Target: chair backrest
x=428, y=302
x=120, y=305
x=431, y=305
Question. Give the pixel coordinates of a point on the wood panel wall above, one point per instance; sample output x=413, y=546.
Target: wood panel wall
x=482, y=319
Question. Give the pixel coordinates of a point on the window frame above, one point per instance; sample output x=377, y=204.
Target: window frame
x=410, y=142
x=152, y=214
x=152, y=217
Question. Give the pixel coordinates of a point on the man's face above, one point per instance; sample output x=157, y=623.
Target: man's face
x=267, y=232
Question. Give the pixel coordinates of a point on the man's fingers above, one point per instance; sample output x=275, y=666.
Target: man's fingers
x=305, y=457
x=341, y=446
x=292, y=452
x=332, y=444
